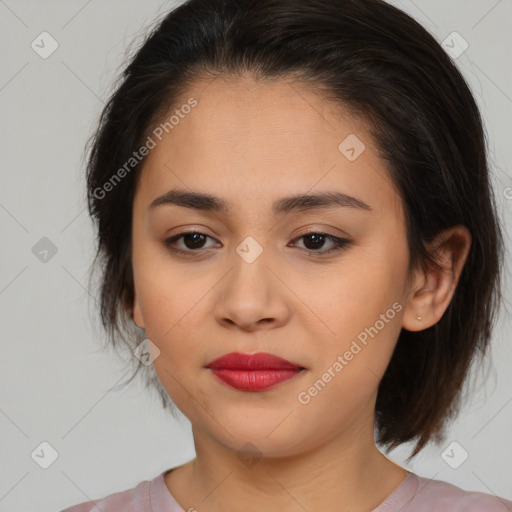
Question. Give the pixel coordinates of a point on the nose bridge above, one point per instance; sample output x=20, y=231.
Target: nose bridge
x=250, y=250
x=257, y=247
x=250, y=261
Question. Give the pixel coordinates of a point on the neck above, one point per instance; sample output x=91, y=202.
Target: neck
x=347, y=473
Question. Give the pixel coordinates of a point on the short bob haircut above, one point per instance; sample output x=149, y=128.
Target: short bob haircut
x=376, y=61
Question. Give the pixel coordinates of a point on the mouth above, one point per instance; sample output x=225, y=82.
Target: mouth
x=253, y=372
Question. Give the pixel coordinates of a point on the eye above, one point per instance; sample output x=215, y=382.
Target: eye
x=194, y=241
x=314, y=239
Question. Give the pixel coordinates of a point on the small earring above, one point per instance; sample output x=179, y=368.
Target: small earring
x=418, y=317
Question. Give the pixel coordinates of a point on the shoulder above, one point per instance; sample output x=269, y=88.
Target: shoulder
x=448, y=497
x=130, y=500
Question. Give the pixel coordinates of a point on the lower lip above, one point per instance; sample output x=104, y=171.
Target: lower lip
x=254, y=380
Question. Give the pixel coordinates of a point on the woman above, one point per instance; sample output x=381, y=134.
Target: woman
x=293, y=205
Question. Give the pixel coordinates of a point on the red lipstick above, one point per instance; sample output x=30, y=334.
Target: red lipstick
x=253, y=372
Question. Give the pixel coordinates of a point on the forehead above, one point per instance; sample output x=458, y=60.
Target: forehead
x=252, y=141
x=242, y=113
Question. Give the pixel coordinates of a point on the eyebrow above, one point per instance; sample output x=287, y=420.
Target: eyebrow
x=301, y=202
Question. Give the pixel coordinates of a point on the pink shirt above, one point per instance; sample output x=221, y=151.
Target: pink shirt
x=414, y=494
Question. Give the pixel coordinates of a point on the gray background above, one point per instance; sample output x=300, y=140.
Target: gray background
x=56, y=382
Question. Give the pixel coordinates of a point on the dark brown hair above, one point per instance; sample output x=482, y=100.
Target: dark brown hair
x=377, y=61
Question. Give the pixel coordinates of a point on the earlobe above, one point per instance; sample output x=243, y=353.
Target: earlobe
x=433, y=288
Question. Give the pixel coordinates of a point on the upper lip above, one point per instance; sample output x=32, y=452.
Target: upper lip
x=258, y=361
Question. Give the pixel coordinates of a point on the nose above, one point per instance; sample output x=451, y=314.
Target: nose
x=252, y=296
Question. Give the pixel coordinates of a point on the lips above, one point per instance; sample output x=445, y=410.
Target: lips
x=259, y=361
x=253, y=372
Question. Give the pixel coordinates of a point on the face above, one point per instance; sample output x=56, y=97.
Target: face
x=254, y=279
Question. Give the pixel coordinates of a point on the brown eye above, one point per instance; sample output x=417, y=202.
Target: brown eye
x=196, y=240
x=193, y=241
x=316, y=240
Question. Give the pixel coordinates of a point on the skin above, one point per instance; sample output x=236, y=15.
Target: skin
x=250, y=144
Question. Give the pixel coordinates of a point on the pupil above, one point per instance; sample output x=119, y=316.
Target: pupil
x=196, y=238
x=317, y=239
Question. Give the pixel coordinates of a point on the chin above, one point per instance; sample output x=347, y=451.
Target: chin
x=262, y=441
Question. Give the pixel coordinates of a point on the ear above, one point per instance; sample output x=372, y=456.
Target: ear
x=136, y=312
x=432, y=289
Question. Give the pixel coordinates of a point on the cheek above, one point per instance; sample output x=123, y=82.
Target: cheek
x=169, y=298
x=362, y=306
x=169, y=307
x=172, y=324
x=346, y=376
x=355, y=295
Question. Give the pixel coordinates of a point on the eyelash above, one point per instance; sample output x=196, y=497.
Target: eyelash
x=339, y=243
